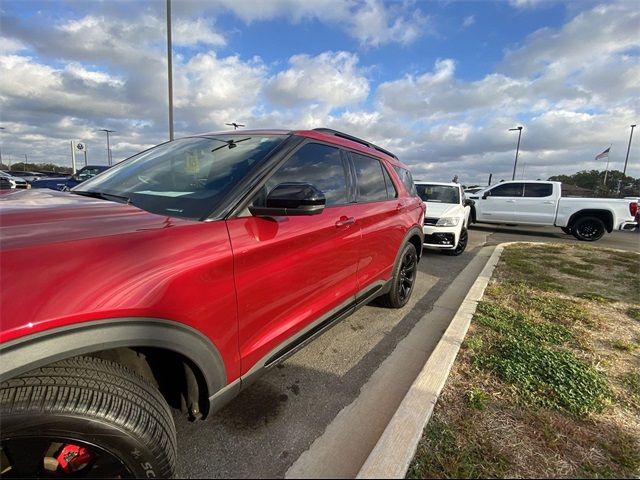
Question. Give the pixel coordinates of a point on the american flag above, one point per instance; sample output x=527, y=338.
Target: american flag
x=603, y=154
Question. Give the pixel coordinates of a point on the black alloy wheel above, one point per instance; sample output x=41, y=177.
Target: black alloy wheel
x=408, y=270
x=42, y=457
x=588, y=229
x=462, y=244
x=404, y=278
x=85, y=417
x=566, y=230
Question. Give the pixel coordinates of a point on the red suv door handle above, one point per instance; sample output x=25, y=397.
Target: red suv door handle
x=344, y=221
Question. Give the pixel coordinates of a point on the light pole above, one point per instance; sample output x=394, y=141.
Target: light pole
x=107, y=131
x=628, y=148
x=170, y=70
x=1, y=128
x=515, y=164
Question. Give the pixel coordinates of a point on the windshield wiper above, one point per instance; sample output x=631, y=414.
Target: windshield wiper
x=229, y=143
x=104, y=196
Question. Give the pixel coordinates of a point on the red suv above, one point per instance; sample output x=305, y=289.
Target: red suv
x=176, y=278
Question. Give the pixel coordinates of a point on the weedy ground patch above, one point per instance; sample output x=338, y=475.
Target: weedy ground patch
x=547, y=382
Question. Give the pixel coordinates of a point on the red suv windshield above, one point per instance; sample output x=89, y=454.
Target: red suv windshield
x=185, y=178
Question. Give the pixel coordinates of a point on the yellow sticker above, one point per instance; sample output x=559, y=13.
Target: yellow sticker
x=192, y=164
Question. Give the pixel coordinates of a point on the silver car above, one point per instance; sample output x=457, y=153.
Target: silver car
x=10, y=182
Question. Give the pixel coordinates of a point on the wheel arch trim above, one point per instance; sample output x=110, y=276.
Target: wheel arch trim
x=414, y=231
x=605, y=215
x=42, y=348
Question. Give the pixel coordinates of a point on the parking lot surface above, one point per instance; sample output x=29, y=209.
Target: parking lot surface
x=265, y=430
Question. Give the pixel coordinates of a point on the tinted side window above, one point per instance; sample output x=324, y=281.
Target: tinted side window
x=391, y=188
x=407, y=180
x=371, y=184
x=507, y=190
x=538, y=189
x=319, y=165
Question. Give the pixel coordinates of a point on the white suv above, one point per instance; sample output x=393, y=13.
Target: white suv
x=447, y=217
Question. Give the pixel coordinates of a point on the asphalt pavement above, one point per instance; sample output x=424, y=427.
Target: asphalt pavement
x=265, y=431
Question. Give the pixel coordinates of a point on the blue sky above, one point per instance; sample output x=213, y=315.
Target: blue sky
x=437, y=82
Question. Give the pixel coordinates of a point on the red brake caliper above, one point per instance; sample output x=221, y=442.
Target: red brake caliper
x=73, y=458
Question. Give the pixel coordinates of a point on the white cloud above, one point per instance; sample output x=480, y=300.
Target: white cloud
x=605, y=30
x=575, y=89
x=186, y=32
x=253, y=10
x=211, y=91
x=331, y=78
x=528, y=4
x=10, y=45
x=92, y=77
x=371, y=22
x=468, y=21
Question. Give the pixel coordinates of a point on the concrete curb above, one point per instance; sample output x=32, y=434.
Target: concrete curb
x=397, y=445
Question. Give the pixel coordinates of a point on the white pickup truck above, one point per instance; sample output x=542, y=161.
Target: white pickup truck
x=541, y=203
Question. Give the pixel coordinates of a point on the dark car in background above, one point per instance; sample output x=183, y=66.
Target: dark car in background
x=70, y=181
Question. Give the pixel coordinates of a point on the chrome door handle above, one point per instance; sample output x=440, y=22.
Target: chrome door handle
x=343, y=222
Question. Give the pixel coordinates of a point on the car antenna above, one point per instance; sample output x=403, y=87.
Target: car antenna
x=234, y=125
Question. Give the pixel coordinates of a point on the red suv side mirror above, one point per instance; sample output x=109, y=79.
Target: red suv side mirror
x=291, y=199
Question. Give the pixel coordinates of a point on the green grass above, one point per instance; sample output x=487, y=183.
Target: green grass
x=441, y=455
x=542, y=345
x=604, y=261
x=595, y=297
x=555, y=309
x=476, y=398
x=624, y=345
x=624, y=451
x=548, y=377
x=631, y=381
x=525, y=355
x=634, y=312
x=576, y=270
x=473, y=342
x=521, y=268
x=515, y=324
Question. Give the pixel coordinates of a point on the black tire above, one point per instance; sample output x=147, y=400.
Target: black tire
x=85, y=417
x=566, y=230
x=404, y=278
x=461, y=246
x=588, y=229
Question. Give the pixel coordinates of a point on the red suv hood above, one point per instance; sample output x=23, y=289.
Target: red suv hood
x=33, y=217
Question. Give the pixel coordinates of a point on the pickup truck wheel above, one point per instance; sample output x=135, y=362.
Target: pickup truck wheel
x=462, y=244
x=588, y=229
x=566, y=230
x=404, y=278
x=85, y=417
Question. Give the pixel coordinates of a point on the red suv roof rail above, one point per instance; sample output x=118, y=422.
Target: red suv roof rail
x=336, y=133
